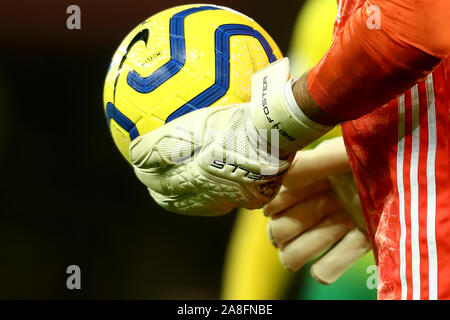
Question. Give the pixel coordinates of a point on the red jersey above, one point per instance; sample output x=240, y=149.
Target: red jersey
x=399, y=155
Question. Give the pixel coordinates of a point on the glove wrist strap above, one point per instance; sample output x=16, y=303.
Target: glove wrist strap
x=308, y=130
x=275, y=109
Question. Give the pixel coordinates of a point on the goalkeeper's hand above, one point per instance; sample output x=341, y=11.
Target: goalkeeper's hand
x=212, y=160
x=318, y=210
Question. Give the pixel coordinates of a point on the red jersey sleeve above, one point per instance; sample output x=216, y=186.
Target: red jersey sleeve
x=366, y=67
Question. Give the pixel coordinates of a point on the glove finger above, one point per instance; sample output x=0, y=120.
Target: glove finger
x=311, y=243
x=328, y=158
x=302, y=216
x=286, y=198
x=335, y=262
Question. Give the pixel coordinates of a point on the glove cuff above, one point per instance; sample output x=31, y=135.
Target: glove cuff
x=274, y=107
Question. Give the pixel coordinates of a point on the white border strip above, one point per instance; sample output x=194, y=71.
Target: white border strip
x=431, y=192
x=401, y=193
x=414, y=185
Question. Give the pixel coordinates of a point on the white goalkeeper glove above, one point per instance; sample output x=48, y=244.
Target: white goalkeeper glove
x=318, y=210
x=215, y=159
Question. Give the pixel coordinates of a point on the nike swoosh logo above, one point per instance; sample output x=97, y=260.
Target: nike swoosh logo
x=140, y=36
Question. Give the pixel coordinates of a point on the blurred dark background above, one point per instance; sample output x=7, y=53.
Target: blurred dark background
x=67, y=196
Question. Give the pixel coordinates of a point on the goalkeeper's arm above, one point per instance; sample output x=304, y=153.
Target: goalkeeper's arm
x=367, y=66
